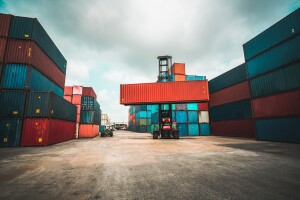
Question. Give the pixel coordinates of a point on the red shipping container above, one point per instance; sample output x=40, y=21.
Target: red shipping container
x=178, y=68
x=278, y=105
x=88, y=130
x=78, y=118
x=68, y=90
x=233, y=93
x=77, y=90
x=78, y=109
x=68, y=98
x=2, y=48
x=169, y=92
x=179, y=77
x=203, y=106
x=234, y=128
x=88, y=91
x=44, y=131
x=76, y=99
x=4, y=25
x=28, y=53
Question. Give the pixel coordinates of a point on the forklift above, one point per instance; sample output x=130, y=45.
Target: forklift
x=167, y=128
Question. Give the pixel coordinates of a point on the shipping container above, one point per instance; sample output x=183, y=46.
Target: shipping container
x=27, y=52
x=234, y=128
x=280, y=31
x=4, y=24
x=230, y=94
x=203, y=106
x=89, y=103
x=141, y=114
x=178, y=77
x=281, y=80
x=88, y=130
x=30, y=29
x=140, y=108
x=203, y=116
x=195, y=78
x=77, y=90
x=181, y=117
x=90, y=117
x=283, y=54
x=193, y=129
x=181, y=106
x=279, y=105
x=44, y=131
x=154, y=108
x=18, y=76
x=154, y=118
x=12, y=103
x=151, y=93
x=49, y=105
x=193, y=116
x=192, y=106
x=76, y=99
x=89, y=91
x=10, y=132
x=204, y=129
x=229, y=78
x=183, y=129
x=2, y=48
x=278, y=130
x=68, y=98
x=68, y=90
x=230, y=111
x=101, y=128
x=178, y=68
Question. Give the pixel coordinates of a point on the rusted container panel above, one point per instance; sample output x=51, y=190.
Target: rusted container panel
x=43, y=131
x=88, y=130
x=234, y=128
x=68, y=98
x=230, y=94
x=68, y=91
x=88, y=91
x=28, y=52
x=178, y=68
x=203, y=106
x=76, y=99
x=77, y=90
x=4, y=25
x=170, y=92
x=2, y=48
x=179, y=77
x=279, y=105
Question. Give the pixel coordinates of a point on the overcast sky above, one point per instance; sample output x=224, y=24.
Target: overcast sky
x=109, y=42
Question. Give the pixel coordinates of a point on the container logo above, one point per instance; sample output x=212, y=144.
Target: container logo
x=40, y=140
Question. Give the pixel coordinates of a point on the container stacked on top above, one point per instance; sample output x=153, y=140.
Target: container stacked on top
x=88, y=110
x=32, y=109
x=273, y=66
x=139, y=118
x=230, y=104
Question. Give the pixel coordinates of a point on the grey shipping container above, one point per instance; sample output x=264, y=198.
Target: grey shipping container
x=282, y=30
x=230, y=111
x=10, y=132
x=49, y=105
x=284, y=54
x=12, y=103
x=180, y=106
x=231, y=77
x=281, y=80
x=90, y=117
x=30, y=28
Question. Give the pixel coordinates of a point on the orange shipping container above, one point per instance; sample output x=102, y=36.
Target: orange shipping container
x=88, y=130
x=169, y=92
x=68, y=98
x=178, y=68
x=68, y=91
x=76, y=99
x=179, y=77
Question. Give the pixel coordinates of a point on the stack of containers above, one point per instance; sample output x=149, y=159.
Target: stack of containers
x=273, y=66
x=30, y=61
x=88, y=110
x=230, y=104
x=139, y=118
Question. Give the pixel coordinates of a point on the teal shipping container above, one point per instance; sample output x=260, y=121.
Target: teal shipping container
x=30, y=29
x=10, y=132
x=274, y=58
x=282, y=30
x=154, y=118
x=230, y=111
x=193, y=116
x=181, y=117
x=90, y=117
x=193, y=129
x=278, y=130
x=141, y=114
x=281, y=80
x=12, y=103
x=148, y=114
x=148, y=107
x=49, y=105
x=154, y=108
x=195, y=78
x=192, y=106
x=17, y=76
x=101, y=128
x=229, y=78
x=204, y=129
x=89, y=103
x=183, y=129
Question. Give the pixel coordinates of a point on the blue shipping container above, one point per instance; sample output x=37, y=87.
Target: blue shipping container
x=10, y=132
x=12, y=103
x=192, y=106
x=181, y=117
x=195, y=78
x=193, y=116
x=90, y=117
x=183, y=129
x=193, y=129
x=154, y=118
x=278, y=130
x=154, y=108
x=204, y=129
x=89, y=103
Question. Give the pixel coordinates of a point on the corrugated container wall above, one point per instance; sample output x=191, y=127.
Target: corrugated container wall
x=4, y=24
x=10, y=132
x=234, y=128
x=89, y=91
x=2, y=48
x=12, y=103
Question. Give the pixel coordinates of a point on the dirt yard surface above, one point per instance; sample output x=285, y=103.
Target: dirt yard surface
x=134, y=166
